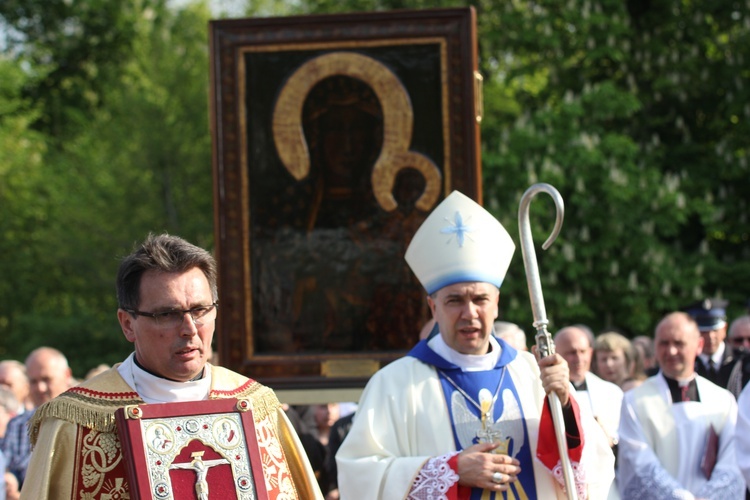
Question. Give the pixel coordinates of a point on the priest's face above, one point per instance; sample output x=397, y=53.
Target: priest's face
x=678, y=343
x=465, y=313
x=176, y=351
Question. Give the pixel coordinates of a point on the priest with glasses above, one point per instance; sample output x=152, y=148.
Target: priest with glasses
x=168, y=300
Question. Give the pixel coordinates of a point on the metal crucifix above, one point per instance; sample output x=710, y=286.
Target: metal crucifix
x=201, y=472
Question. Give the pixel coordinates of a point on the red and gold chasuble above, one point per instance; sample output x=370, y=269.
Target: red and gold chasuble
x=79, y=456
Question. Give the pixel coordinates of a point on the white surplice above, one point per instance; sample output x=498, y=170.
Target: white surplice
x=662, y=444
x=605, y=399
x=742, y=435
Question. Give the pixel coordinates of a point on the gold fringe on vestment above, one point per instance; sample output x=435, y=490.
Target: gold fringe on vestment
x=93, y=413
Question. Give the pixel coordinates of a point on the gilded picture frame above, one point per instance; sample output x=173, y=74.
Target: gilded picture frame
x=333, y=138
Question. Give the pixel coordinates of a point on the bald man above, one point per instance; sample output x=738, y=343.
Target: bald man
x=602, y=397
x=49, y=376
x=675, y=420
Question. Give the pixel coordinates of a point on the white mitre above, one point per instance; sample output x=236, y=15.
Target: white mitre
x=459, y=242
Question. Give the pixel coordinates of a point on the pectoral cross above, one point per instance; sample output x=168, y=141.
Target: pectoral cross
x=201, y=471
x=488, y=433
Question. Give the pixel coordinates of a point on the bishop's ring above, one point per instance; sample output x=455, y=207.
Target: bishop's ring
x=497, y=477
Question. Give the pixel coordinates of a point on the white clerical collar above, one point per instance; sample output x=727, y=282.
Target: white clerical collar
x=153, y=389
x=467, y=362
x=681, y=382
x=715, y=356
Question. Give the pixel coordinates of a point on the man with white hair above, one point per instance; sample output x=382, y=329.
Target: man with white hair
x=464, y=415
x=739, y=338
x=512, y=334
x=602, y=398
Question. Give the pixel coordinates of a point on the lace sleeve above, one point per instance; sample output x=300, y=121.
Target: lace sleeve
x=654, y=483
x=435, y=479
x=723, y=484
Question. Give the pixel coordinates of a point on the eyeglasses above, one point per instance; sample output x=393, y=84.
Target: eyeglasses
x=740, y=341
x=174, y=318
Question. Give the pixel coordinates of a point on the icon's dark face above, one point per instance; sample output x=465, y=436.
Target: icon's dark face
x=346, y=140
x=343, y=123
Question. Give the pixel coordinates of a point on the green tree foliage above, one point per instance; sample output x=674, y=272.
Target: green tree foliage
x=636, y=111
x=23, y=213
x=141, y=164
x=78, y=45
x=631, y=110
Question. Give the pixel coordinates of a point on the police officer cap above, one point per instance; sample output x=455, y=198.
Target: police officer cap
x=710, y=314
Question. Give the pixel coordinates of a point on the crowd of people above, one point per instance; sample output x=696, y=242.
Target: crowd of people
x=673, y=424
x=469, y=413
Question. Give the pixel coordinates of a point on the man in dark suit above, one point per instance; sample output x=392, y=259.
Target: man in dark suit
x=718, y=358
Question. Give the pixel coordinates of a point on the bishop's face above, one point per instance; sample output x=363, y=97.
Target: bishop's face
x=465, y=313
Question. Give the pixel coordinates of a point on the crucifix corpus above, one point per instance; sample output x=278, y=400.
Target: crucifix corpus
x=201, y=471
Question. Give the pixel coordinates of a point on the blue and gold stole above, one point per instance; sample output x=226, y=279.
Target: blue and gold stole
x=505, y=424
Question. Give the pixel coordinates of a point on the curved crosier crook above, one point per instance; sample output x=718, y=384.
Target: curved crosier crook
x=397, y=125
x=527, y=242
x=544, y=344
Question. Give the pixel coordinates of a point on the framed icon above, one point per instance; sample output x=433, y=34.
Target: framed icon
x=334, y=137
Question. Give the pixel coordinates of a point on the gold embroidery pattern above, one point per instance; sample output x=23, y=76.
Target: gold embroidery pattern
x=115, y=490
x=275, y=469
x=102, y=470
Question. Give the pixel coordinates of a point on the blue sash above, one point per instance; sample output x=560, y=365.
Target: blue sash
x=508, y=425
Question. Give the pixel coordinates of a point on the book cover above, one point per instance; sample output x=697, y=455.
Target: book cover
x=196, y=449
x=710, y=453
